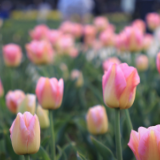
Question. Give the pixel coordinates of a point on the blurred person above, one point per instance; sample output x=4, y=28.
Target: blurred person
x=5, y=8
x=69, y=8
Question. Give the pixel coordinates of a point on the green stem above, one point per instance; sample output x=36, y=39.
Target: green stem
x=128, y=118
x=27, y=157
x=118, y=134
x=53, y=154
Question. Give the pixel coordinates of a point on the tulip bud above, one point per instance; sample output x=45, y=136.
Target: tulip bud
x=25, y=134
x=28, y=104
x=1, y=89
x=50, y=92
x=119, y=86
x=77, y=76
x=109, y=62
x=139, y=24
x=43, y=117
x=13, y=99
x=97, y=121
x=40, y=52
x=101, y=23
x=158, y=62
x=142, y=62
x=145, y=143
x=12, y=55
x=147, y=41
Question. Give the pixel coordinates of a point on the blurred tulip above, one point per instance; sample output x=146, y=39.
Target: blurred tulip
x=139, y=24
x=158, y=62
x=73, y=52
x=110, y=61
x=50, y=92
x=134, y=39
x=39, y=32
x=12, y=55
x=77, y=76
x=97, y=121
x=13, y=99
x=28, y=104
x=43, y=117
x=101, y=23
x=40, y=52
x=53, y=36
x=147, y=41
x=25, y=134
x=142, y=62
x=107, y=38
x=119, y=86
x=1, y=89
x=145, y=143
x=66, y=27
x=153, y=20
x=120, y=41
x=77, y=30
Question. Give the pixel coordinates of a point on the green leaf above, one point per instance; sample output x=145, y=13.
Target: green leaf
x=80, y=157
x=45, y=141
x=41, y=155
x=105, y=152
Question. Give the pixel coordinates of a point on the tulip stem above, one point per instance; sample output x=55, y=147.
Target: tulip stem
x=128, y=118
x=53, y=153
x=27, y=157
x=118, y=134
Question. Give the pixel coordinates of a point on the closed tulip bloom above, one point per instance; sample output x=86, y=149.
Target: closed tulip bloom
x=77, y=76
x=145, y=143
x=25, y=134
x=1, y=89
x=142, y=62
x=120, y=41
x=50, y=92
x=101, y=23
x=153, y=20
x=147, y=41
x=39, y=32
x=97, y=121
x=119, y=86
x=66, y=27
x=89, y=31
x=28, y=104
x=139, y=24
x=77, y=30
x=13, y=99
x=158, y=62
x=109, y=62
x=12, y=55
x=40, y=52
x=43, y=117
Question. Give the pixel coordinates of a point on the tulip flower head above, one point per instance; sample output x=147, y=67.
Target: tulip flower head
x=142, y=62
x=25, y=134
x=119, y=86
x=101, y=23
x=139, y=24
x=12, y=55
x=13, y=100
x=158, y=62
x=147, y=41
x=1, y=89
x=97, y=121
x=50, y=92
x=145, y=143
x=28, y=104
x=77, y=76
x=43, y=117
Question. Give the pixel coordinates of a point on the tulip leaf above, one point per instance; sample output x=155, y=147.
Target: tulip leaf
x=104, y=151
x=41, y=155
x=80, y=156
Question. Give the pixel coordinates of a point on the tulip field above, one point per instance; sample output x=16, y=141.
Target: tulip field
x=77, y=91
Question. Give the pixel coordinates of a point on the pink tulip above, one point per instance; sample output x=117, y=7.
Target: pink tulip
x=145, y=143
x=142, y=62
x=77, y=76
x=39, y=32
x=40, y=52
x=158, y=62
x=53, y=36
x=147, y=41
x=110, y=61
x=50, y=92
x=119, y=86
x=139, y=24
x=25, y=134
x=77, y=30
x=13, y=99
x=89, y=31
x=101, y=23
x=12, y=55
x=66, y=27
x=1, y=89
x=73, y=52
x=153, y=20
x=134, y=40
x=97, y=121
x=120, y=41
x=107, y=38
